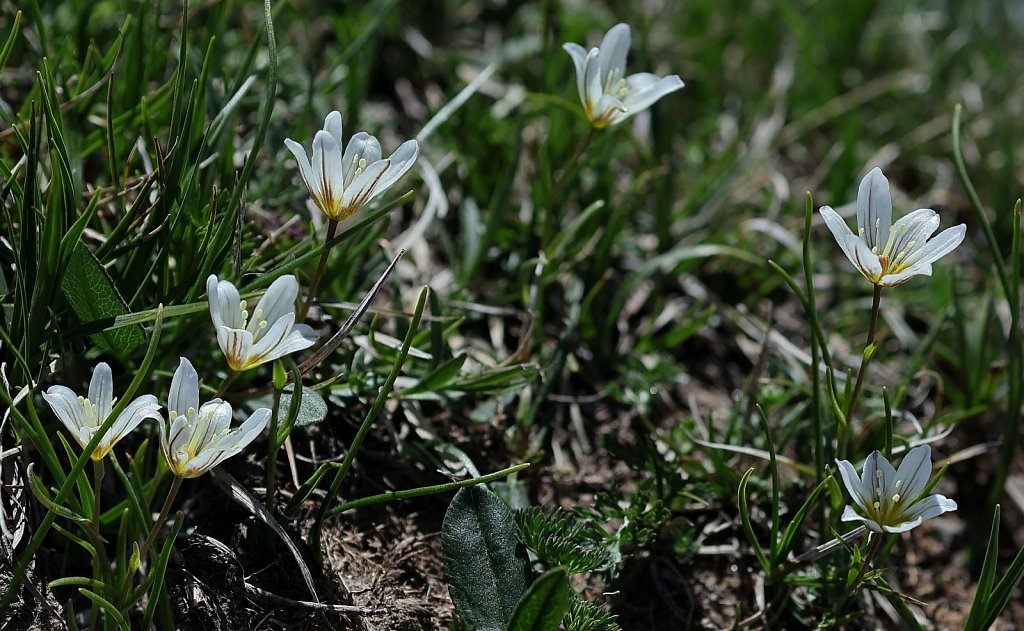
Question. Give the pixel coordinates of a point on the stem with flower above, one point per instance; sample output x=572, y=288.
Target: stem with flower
x=332, y=228
x=865, y=359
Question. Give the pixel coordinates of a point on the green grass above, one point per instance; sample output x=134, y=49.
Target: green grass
x=617, y=313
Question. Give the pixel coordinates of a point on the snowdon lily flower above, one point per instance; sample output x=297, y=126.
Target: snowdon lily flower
x=341, y=185
x=83, y=416
x=889, y=254
x=887, y=500
x=269, y=332
x=198, y=437
x=608, y=95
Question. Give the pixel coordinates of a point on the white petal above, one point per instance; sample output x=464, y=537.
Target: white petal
x=184, y=393
x=931, y=506
x=361, y=146
x=364, y=187
x=328, y=170
x=299, y=338
x=219, y=413
x=592, y=81
x=236, y=345
x=101, y=391
x=608, y=111
x=579, y=59
x=401, y=161
x=908, y=236
x=614, y=48
x=644, y=89
x=874, y=208
x=914, y=472
x=214, y=299
x=178, y=433
x=332, y=125
x=858, y=492
x=137, y=411
x=903, y=526
x=229, y=304
x=944, y=243
x=305, y=170
x=882, y=487
x=64, y=403
x=265, y=347
x=276, y=302
x=851, y=515
x=864, y=259
x=917, y=269
x=839, y=229
x=253, y=426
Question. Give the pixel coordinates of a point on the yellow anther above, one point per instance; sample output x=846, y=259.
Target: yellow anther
x=877, y=505
x=191, y=411
x=263, y=324
x=362, y=163
x=173, y=415
x=896, y=498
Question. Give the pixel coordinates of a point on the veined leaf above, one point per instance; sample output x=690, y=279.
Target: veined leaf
x=543, y=605
x=484, y=563
x=93, y=296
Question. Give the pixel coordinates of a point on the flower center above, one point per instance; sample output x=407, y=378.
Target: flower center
x=257, y=325
x=356, y=169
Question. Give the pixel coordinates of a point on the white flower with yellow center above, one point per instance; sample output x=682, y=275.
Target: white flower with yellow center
x=83, y=416
x=890, y=254
x=608, y=95
x=249, y=339
x=888, y=500
x=197, y=437
x=342, y=184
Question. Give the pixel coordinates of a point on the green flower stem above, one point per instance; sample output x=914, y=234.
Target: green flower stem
x=425, y=490
x=97, y=484
x=272, y=448
x=158, y=525
x=851, y=406
x=226, y=384
x=563, y=178
x=873, y=547
x=332, y=228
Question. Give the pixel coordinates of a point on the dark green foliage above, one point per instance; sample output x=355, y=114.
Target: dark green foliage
x=561, y=539
x=483, y=561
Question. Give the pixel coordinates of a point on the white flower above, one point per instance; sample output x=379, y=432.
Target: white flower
x=608, y=95
x=269, y=332
x=198, y=438
x=887, y=499
x=83, y=416
x=889, y=254
x=341, y=185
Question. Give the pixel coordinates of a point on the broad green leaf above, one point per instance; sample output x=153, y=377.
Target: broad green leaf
x=93, y=296
x=543, y=605
x=484, y=563
x=312, y=407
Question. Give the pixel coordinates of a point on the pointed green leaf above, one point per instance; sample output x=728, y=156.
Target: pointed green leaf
x=93, y=296
x=484, y=563
x=543, y=605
